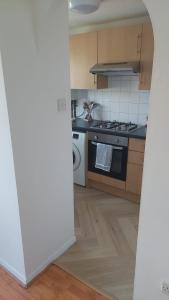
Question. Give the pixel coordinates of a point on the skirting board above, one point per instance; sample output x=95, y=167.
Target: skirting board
x=15, y=274
x=25, y=281
x=51, y=258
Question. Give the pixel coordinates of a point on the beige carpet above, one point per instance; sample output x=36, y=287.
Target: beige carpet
x=104, y=254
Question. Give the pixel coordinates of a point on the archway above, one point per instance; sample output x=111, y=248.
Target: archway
x=153, y=247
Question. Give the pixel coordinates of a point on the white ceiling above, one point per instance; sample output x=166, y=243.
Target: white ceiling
x=110, y=10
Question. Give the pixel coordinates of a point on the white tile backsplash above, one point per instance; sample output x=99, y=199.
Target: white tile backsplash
x=122, y=101
x=133, y=108
x=124, y=107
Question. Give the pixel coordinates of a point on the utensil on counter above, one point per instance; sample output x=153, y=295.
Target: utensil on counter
x=89, y=107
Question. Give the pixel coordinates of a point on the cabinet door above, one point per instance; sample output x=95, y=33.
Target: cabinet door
x=137, y=145
x=134, y=178
x=147, y=53
x=83, y=55
x=135, y=157
x=115, y=183
x=119, y=44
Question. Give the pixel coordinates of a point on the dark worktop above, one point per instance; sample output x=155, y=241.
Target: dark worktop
x=84, y=126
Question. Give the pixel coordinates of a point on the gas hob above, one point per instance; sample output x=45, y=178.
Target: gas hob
x=115, y=126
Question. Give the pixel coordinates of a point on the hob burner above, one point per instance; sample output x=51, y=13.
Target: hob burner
x=116, y=126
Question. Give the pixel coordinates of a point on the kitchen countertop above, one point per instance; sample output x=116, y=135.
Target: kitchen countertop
x=84, y=126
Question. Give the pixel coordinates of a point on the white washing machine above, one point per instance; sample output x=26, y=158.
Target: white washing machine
x=79, y=157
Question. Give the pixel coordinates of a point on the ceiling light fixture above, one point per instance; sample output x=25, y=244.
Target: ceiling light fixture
x=84, y=6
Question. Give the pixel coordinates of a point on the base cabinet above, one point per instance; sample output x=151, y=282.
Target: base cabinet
x=131, y=189
x=135, y=166
x=134, y=178
x=115, y=183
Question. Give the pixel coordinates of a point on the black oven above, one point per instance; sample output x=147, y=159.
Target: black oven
x=119, y=144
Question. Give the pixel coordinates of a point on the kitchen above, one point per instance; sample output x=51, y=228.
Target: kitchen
x=36, y=177
x=110, y=69
x=125, y=97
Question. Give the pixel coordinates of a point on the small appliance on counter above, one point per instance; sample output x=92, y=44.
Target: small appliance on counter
x=88, y=108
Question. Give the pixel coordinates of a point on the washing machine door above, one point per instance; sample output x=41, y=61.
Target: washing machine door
x=76, y=158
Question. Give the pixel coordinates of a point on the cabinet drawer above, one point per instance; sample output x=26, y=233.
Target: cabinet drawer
x=137, y=145
x=107, y=180
x=136, y=157
x=134, y=178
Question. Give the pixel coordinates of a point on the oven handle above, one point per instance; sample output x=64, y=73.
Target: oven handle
x=114, y=147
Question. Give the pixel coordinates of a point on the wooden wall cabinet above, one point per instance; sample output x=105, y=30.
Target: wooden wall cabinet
x=135, y=166
x=119, y=44
x=83, y=55
x=147, y=54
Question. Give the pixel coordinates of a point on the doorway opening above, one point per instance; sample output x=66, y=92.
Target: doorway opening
x=110, y=116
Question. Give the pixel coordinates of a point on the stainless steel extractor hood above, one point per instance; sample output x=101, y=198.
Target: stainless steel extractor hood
x=116, y=69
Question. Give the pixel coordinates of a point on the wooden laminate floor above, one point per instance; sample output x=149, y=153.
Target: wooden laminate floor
x=104, y=254
x=53, y=284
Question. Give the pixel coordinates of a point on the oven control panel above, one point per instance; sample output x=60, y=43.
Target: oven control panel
x=108, y=139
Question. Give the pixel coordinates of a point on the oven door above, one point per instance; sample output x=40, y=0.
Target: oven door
x=118, y=165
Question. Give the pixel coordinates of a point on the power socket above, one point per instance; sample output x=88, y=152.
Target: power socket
x=165, y=288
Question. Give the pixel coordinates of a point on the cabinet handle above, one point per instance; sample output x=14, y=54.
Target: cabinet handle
x=95, y=80
x=139, y=37
x=141, y=74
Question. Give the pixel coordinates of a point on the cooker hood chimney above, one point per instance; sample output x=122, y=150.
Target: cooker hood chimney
x=116, y=69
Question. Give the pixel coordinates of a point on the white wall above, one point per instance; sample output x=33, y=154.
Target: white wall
x=11, y=250
x=34, y=45
x=153, y=243
x=116, y=23
x=122, y=101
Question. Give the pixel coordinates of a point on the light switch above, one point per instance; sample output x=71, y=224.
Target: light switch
x=61, y=104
